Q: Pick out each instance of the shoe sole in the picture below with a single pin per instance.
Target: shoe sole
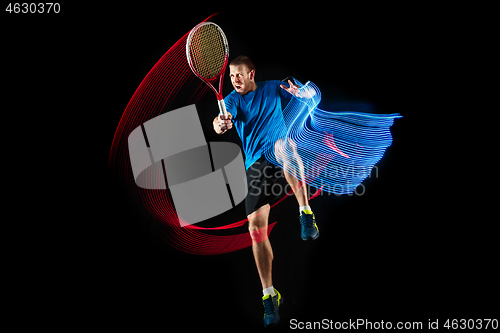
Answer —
(311, 238)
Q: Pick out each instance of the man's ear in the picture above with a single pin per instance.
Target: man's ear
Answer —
(252, 74)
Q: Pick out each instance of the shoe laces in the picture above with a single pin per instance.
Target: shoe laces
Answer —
(307, 220)
(268, 306)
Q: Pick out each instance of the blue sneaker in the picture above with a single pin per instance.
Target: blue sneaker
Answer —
(308, 228)
(272, 308)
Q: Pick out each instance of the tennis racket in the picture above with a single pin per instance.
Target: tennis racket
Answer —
(207, 53)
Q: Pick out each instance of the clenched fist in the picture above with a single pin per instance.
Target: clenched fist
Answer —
(223, 123)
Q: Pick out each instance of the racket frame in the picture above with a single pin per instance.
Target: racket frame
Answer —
(220, 75)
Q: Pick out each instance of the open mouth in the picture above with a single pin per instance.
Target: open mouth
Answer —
(238, 87)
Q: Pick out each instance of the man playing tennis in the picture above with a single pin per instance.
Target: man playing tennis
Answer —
(253, 108)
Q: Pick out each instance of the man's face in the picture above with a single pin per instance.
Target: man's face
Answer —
(241, 78)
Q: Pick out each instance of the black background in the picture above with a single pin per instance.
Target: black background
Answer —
(415, 246)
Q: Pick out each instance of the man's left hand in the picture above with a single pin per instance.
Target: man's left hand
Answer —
(293, 89)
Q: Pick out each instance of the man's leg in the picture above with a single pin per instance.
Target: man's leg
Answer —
(286, 153)
(263, 254)
(296, 180)
(261, 247)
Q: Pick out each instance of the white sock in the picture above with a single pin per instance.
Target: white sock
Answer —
(269, 291)
(301, 208)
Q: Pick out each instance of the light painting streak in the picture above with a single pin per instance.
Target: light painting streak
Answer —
(334, 147)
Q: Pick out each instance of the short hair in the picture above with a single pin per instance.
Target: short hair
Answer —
(243, 60)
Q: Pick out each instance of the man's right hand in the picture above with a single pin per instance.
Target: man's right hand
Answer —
(223, 123)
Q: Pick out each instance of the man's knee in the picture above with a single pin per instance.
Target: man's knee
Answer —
(257, 228)
(255, 224)
(280, 150)
(284, 147)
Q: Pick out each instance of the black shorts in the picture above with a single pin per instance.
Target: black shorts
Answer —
(266, 184)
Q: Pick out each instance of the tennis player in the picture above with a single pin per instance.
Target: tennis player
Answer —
(254, 108)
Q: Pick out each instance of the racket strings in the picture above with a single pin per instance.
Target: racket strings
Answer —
(207, 51)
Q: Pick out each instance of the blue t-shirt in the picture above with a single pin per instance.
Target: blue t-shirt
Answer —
(255, 115)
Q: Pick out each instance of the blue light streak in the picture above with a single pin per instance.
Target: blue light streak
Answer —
(334, 151)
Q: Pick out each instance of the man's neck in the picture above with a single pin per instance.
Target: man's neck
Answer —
(254, 86)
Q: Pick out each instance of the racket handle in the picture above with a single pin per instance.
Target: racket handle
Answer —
(222, 107)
